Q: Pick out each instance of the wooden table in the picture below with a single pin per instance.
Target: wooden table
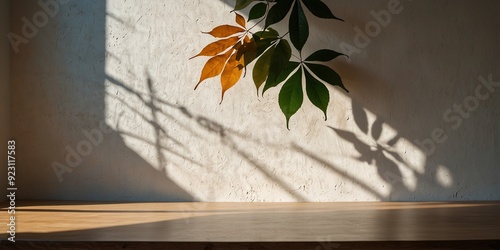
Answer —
(245, 225)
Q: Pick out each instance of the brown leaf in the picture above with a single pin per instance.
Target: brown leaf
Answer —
(237, 45)
(247, 51)
(214, 66)
(231, 74)
(240, 20)
(217, 47)
(225, 31)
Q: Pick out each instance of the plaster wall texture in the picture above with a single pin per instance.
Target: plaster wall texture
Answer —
(104, 107)
(4, 89)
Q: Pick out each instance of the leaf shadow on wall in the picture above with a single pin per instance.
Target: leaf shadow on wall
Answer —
(408, 82)
(170, 149)
(379, 153)
(393, 67)
(387, 169)
(429, 77)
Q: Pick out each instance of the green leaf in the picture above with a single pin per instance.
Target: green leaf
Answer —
(278, 12)
(319, 9)
(326, 74)
(261, 68)
(317, 92)
(290, 67)
(269, 33)
(279, 60)
(291, 96)
(257, 11)
(263, 44)
(324, 55)
(264, 41)
(241, 4)
(298, 26)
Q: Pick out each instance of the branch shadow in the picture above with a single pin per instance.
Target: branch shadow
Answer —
(228, 137)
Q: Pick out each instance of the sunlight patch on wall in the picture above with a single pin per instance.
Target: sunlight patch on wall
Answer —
(444, 176)
(240, 150)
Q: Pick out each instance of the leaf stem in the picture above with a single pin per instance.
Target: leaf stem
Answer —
(281, 37)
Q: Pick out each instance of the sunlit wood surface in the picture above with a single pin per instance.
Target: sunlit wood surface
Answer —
(254, 222)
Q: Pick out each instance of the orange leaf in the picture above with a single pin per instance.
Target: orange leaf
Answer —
(231, 74)
(217, 47)
(247, 52)
(225, 31)
(214, 66)
(240, 20)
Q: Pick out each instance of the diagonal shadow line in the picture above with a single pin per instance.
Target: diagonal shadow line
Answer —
(140, 95)
(258, 166)
(183, 111)
(125, 87)
(158, 129)
(227, 139)
(121, 21)
(335, 170)
(169, 150)
(152, 122)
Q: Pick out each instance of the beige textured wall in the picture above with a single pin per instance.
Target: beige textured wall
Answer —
(4, 90)
(105, 109)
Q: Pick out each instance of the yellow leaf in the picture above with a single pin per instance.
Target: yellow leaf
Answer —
(231, 74)
(214, 66)
(225, 31)
(217, 47)
(240, 20)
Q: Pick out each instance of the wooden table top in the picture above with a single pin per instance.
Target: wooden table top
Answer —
(254, 222)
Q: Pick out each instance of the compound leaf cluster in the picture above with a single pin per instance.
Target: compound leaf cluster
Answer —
(237, 46)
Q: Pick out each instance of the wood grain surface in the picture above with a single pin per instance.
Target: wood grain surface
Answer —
(318, 223)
